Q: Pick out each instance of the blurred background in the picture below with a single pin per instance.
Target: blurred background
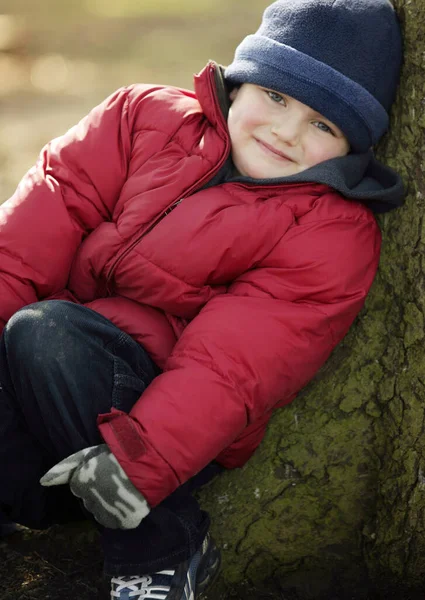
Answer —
(58, 58)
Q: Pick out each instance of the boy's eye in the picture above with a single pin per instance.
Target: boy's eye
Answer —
(276, 97)
(323, 127)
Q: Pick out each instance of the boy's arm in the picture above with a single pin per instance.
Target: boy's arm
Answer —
(246, 352)
(72, 188)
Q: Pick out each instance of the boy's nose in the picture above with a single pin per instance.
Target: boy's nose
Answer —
(288, 131)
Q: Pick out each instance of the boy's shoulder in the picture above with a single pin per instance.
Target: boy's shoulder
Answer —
(314, 202)
(331, 205)
(204, 100)
(153, 107)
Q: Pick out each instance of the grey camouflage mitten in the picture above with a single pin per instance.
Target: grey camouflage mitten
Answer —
(95, 476)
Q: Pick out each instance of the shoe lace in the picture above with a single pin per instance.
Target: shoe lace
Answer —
(140, 588)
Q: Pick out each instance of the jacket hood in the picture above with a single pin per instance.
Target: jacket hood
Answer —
(357, 176)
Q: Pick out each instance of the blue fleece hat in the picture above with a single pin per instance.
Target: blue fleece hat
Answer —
(341, 57)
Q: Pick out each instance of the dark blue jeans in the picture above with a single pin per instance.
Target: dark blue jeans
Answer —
(61, 365)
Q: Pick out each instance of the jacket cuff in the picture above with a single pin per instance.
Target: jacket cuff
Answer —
(146, 469)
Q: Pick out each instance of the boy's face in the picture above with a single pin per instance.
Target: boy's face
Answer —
(274, 135)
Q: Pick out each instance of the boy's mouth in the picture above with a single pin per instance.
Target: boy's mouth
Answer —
(271, 150)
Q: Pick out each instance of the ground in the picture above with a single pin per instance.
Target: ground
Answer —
(65, 562)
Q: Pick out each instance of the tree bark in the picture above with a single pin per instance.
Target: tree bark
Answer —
(333, 503)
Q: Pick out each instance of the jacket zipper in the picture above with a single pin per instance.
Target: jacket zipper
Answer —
(169, 208)
(128, 249)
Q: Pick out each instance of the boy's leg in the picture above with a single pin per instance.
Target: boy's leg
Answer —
(23, 455)
(61, 365)
(170, 554)
(169, 535)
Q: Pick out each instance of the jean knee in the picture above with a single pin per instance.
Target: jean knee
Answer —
(38, 331)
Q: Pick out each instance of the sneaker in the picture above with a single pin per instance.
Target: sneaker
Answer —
(190, 579)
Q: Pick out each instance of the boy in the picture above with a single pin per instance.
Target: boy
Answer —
(190, 259)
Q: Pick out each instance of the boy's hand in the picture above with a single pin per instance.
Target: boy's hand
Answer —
(95, 476)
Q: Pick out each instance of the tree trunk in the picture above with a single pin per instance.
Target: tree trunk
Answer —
(333, 503)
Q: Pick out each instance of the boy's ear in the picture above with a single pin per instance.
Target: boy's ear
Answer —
(233, 94)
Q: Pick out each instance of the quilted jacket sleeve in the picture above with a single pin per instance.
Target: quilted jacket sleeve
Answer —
(245, 353)
(71, 189)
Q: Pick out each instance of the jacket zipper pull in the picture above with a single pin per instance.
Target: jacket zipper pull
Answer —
(170, 208)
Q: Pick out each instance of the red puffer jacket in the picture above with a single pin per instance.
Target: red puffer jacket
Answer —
(240, 293)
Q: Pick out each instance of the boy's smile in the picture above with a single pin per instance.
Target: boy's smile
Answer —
(274, 135)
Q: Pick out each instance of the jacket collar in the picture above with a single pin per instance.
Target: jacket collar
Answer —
(212, 93)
